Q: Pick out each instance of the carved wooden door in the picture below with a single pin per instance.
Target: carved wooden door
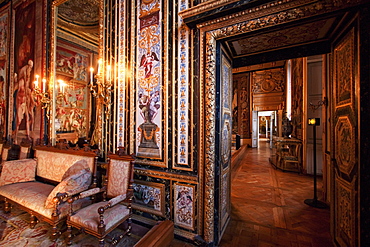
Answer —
(345, 166)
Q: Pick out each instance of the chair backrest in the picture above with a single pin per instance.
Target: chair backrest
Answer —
(5, 152)
(53, 162)
(297, 152)
(119, 176)
(25, 149)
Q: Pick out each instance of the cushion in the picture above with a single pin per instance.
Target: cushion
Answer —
(75, 168)
(73, 184)
(88, 217)
(17, 171)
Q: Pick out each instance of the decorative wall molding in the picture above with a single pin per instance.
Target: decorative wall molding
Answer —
(210, 110)
(166, 175)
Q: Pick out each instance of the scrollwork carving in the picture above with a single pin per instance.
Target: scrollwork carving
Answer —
(210, 94)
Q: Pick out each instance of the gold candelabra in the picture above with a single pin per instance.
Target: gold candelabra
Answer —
(42, 96)
(103, 88)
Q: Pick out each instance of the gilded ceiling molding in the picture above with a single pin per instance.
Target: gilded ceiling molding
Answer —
(279, 11)
(210, 133)
(205, 6)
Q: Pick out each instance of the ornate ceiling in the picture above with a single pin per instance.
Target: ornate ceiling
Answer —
(310, 32)
(79, 18)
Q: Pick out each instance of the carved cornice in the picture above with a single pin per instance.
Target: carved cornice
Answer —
(166, 175)
(275, 12)
(205, 6)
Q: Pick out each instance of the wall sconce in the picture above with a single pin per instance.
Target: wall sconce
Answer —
(314, 107)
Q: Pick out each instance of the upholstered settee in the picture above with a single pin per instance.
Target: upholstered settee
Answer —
(34, 185)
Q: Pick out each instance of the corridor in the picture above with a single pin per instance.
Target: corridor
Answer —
(268, 205)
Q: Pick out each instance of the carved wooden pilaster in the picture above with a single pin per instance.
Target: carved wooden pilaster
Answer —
(210, 102)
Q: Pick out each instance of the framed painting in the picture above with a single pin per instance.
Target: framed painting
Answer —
(73, 96)
(184, 205)
(25, 118)
(4, 64)
(149, 197)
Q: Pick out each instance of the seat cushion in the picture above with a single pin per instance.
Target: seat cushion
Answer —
(89, 217)
(32, 195)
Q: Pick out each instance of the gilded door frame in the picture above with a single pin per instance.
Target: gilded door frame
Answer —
(210, 32)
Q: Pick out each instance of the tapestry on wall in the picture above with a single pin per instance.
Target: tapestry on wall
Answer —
(73, 101)
(148, 79)
(25, 115)
(4, 63)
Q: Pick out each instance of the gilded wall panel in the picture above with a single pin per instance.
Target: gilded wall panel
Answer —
(344, 63)
(297, 97)
(149, 95)
(241, 105)
(345, 145)
(122, 73)
(345, 212)
(183, 100)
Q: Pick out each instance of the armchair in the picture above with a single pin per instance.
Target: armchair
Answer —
(100, 218)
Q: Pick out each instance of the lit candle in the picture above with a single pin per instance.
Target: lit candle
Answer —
(108, 72)
(37, 81)
(60, 82)
(44, 84)
(91, 74)
(100, 61)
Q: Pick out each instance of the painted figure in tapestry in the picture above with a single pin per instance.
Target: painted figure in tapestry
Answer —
(2, 104)
(24, 104)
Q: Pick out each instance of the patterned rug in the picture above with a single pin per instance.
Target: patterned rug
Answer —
(15, 231)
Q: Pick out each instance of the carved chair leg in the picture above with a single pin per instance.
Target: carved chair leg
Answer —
(129, 227)
(101, 242)
(7, 206)
(55, 233)
(69, 236)
(33, 221)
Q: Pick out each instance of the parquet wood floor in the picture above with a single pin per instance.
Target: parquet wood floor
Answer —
(268, 206)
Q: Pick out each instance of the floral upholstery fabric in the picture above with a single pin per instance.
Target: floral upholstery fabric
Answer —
(89, 192)
(17, 171)
(73, 184)
(118, 177)
(60, 163)
(33, 195)
(88, 217)
(117, 199)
